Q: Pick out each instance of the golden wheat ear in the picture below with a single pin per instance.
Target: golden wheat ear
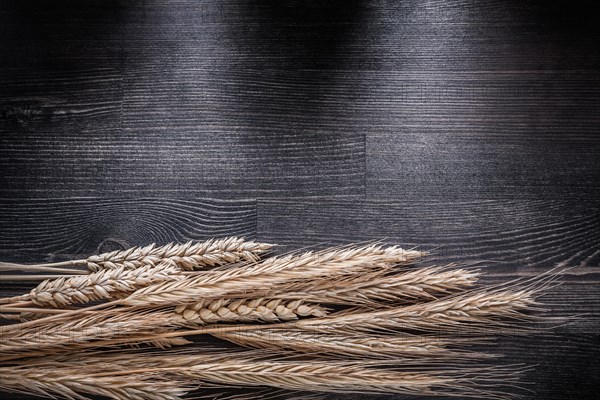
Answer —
(357, 377)
(91, 330)
(74, 383)
(187, 256)
(382, 287)
(248, 310)
(504, 309)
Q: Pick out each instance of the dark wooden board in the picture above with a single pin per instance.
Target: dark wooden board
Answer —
(468, 128)
(51, 230)
(518, 235)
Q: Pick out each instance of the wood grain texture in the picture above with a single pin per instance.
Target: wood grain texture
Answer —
(50, 230)
(519, 235)
(486, 135)
(465, 127)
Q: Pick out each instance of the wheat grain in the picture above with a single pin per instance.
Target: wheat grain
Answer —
(73, 383)
(247, 310)
(187, 256)
(101, 285)
(271, 272)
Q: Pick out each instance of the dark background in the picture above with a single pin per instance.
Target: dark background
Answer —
(467, 127)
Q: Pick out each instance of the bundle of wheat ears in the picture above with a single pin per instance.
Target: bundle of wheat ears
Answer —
(197, 319)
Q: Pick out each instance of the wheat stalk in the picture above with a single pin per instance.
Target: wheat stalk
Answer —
(57, 267)
(247, 310)
(271, 272)
(101, 285)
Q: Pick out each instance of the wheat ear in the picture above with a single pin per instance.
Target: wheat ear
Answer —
(347, 377)
(270, 272)
(94, 327)
(381, 288)
(73, 383)
(57, 267)
(248, 310)
(101, 285)
(484, 311)
(187, 256)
